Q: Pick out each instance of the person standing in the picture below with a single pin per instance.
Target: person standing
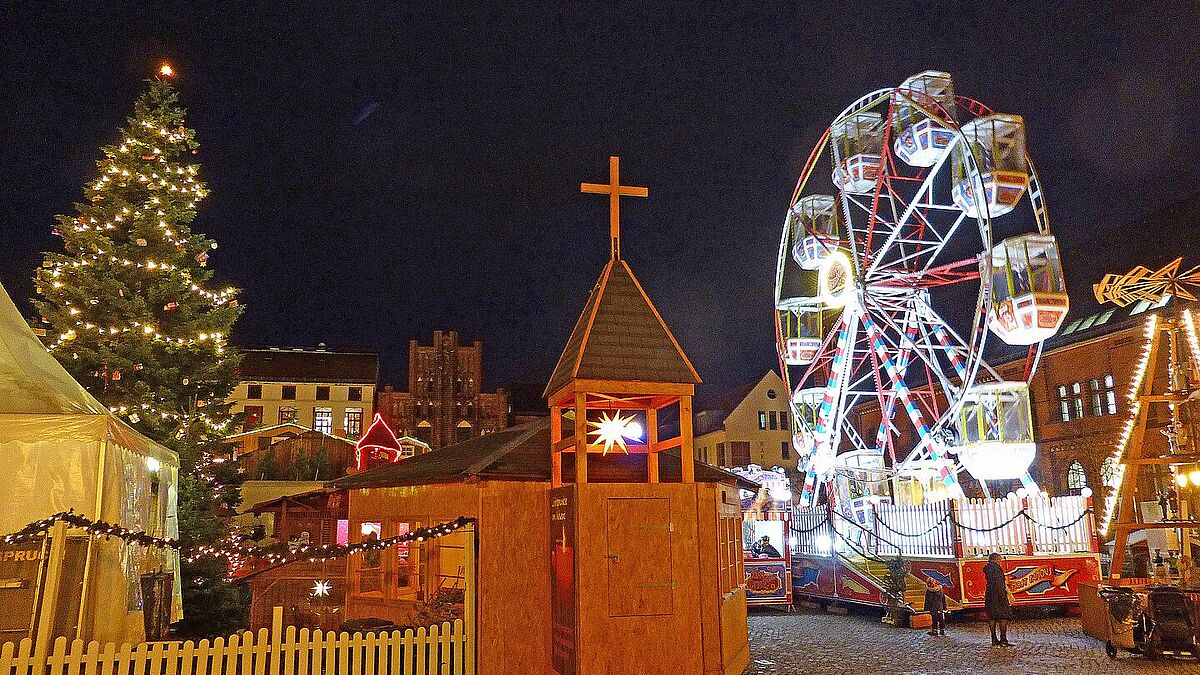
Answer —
(995, 599)
(935, 604)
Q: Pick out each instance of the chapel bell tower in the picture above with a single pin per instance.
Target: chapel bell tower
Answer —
(641, 550)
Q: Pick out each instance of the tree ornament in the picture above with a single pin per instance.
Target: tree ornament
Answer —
(140, 241)
(135, 418)
(171, 306)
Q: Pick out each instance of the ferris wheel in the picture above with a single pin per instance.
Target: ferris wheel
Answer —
(917, 227)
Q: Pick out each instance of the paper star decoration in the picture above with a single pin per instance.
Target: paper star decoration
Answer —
(615, 430)
(321, 589)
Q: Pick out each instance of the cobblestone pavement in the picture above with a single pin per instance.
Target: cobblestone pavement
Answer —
(811, 641)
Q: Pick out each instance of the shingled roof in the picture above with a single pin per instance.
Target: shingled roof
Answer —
(620, 336)
(520, 453)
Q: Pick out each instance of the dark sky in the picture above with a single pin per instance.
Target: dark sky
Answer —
(455, 202)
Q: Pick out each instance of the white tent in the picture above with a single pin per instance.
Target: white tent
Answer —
(61, 449)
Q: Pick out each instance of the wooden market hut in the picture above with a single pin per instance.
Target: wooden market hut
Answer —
(503, 480)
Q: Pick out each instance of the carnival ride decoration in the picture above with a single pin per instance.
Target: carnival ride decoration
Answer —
(767, 513)
(919, 178)
(1171, 339)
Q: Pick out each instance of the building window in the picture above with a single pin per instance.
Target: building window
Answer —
(721, 454)
(1076, 476)
(785, 420)
(323, 420)
(762, 420)
(463, 432)
(288, 414)
(741, 453)
(774, 420)
(354, 419)
(1108, 472)
(355, 394)
(424, 432)
(1077, 398)
(1110, 395)
(289, 392)
(1097, 401)
(1064, 404)
(771, 394)
(254, 391)
(322, 393)
(254, 415)
(785, 449)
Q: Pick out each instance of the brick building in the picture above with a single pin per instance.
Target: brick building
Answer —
(444, 404)
(331, 391)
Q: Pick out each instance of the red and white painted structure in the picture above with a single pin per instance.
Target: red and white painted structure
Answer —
(1050, 546)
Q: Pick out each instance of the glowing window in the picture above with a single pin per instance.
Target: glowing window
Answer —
(1064, 404)
(1076, 476)
(1108, 472)
(1110, 395)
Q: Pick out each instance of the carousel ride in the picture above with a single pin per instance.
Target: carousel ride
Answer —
(917, 203)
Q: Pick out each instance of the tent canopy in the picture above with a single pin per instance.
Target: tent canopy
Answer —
(39, 400)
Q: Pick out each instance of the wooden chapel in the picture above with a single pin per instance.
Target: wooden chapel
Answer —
(647, 572)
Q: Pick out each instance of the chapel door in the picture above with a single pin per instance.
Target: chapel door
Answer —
(640, 581)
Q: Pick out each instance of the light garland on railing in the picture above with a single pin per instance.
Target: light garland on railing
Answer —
(1118, 453)
(235, 548)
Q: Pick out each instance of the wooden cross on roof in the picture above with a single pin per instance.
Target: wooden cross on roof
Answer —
(615, 191)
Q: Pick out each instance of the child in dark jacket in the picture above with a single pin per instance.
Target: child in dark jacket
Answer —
(935, 604)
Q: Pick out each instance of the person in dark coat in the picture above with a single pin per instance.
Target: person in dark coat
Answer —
(995, 599)
(935, 604)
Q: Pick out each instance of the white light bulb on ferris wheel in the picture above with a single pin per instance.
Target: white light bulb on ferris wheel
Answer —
(914, 221)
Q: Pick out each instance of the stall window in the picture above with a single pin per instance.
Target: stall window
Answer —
(404, 576)
(370, 563)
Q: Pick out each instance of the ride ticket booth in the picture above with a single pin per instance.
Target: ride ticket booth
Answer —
(766, 528)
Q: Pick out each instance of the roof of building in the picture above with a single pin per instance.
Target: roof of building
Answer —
(295, 427)
(620, 336)
(519, 453)
(309, 365)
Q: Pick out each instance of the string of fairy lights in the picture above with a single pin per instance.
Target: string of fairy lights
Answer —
(1118, 454)
(236, 550)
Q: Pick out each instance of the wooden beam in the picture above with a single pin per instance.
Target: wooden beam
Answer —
(580, 437)
(555, 449)
(1132, 461)
(1164, 525)
(668, 444)
(687, 461)
(651, 442)
(633, 387)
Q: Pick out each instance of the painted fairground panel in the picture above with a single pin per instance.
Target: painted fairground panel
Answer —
(767, 583)
(766, 526)
(814, 575)
(1034, 580)
(945, 572)
(856, 587)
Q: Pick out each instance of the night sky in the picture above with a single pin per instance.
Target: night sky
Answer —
(380, 172)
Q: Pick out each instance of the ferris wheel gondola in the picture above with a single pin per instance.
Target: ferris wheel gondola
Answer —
(919, 177)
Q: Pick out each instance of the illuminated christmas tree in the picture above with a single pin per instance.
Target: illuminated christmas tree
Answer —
(132, 316)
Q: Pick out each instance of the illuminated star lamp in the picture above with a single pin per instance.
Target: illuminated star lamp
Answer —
(320, 589)
(615, 430)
